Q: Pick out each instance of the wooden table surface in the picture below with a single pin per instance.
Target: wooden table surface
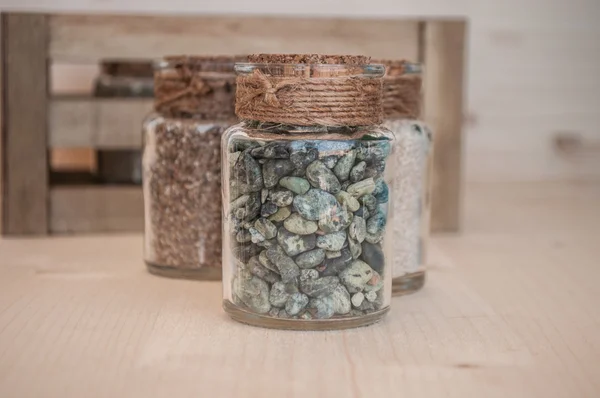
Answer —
(511, 309)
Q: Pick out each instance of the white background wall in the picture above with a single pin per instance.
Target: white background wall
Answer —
(533, 72)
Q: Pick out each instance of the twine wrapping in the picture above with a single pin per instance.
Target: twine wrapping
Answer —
(401, 91)
(326, 101)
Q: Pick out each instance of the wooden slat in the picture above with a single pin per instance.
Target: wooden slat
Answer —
(443, 55)
(82, 209)
(93, 37)
(97, 123)
(24, 129)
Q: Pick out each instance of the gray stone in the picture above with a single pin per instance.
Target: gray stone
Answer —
(330, 161)
(266, 228)
(357, 299)
(358, 172)
(372, 254)
(340, 300)
(239, 202)
(334, 266)
(252, 206)
(335, 219)
(298, 225)
(334, 254)
(356, 276)
(255, 236)
(294, 244)
(370, 202)
(308, 274)
(355, 248)
(244, 251)
(348, 201)
(295, 184)
(321, 177)
(344, 165)
(358, 229)
(333, 241)
(374, 151)
(256, 268)
(282, 214)
(240, 213)
(247, 174)
(361, 188)
(282, 198)
(252, 291)
(323, 309)
(288, 269)
(271, 151)
(264, 260)
(304, 157)
(376, 223)
(264, 193)
(374, 284)
(274, 170)
(233, 157)
(374, 238)
(296, 303)
(314, 204)
(319, 287)
(362, 212)
(243, 236)
(267, 243)
(371, 296)
(268, 209)
(311, 258)
(381, 192)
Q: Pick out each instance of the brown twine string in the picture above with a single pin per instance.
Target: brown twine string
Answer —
(401, 91)
(327, 101)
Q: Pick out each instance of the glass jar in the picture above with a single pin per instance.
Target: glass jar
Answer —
(305, 205)
(194, 103)
(411, 186)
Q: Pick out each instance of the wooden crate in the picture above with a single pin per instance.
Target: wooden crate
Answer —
(34, 121)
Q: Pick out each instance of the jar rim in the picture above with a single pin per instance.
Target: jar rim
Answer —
(282, 69)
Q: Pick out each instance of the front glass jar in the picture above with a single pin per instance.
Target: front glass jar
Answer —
(305, 210)
(194, 104)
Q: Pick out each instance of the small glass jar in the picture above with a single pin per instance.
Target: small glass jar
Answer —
(194, 103)
(305, 206)
(412, 160)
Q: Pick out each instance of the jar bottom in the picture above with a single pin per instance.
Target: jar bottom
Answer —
(407, 284)
(249, 318)
(203, 273)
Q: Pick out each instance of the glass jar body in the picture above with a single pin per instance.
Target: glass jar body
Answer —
(182, 197)
(305, 211)
(411, 203)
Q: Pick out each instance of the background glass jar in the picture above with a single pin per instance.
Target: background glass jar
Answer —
(305, 213)
(411, 186)
(194, 103)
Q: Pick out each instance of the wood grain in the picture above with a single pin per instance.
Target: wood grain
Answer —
(24, 108)
(509, 310)
(443, 55)
(85, 209)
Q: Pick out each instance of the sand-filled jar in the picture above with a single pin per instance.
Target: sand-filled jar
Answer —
(305, 194)
(194, 104)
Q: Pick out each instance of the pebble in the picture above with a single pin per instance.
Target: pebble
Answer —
(321, 177)
(247, 174)
(357, 299)
(374, 151)
(362, 188)
(314, 204)
(252, 291)
(294, 244)
(374, 238)
(264, 260)
(311, 258)
(308, 274)
(356, 276)
(264, 193)
(358, 229)
(304, 157)
(268, 209)
(296, 303)
(239, 202)
(255, 236)
(295, 184)
(362, 212)
(371, 296)
(358, 172)
(370, 202)
(344, 165)
(271, 151)
(381, 192)
(340, 300)
(355, 248)
(347, 200)
(243, 252)
(336, 218)
(282, 198)
(243, 236)
(373, 255)
(375, 283)
(323, 308)
(252, 206)
(256, 268)
(376, 223)
(282, 214)
(334, 266)
(319, 287)
(332, 242)
(333, 254)
(330, 161)
(288, 269)
(266, 228)
(273, 170)
(298, 225)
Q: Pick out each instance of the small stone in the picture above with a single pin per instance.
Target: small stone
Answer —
(308, 274)
(274, 312)
(240, 213)
(335, 219)
(372, 172)
(362, 188)
(252, 207)
(266, 228)
(288, 269)
(294, 244)
(319, 287)
(264, 260)
(244, 252)
(311, 258)
(358, 172)
(298, 225)
(374, 151)
(252, 291)
(274, 170)
(298, 185)
(335, 254)
(362, 212)
(255, 236)
(370, 202)
(374, 284)
(330, 161)
(267, 243)
(282, 214)
(314, 204)
(358, 229)
(371, 296)
(271, 151)
(268, 209)
(344, 165)
(247, 174)
(306, 316)
(321, 177)
(355, 248)
(376, 223)
(334, 266)
(233, 157)
(356, 276)
(256, 268)
(296, 303)
(282, 198)
(357, 299)
(264, 193)
(348, 201)
(243, 236)
(381, 192)
(372, 254)
(323, 309)
(239, 202)
(345, 185)
(283, 314)
(341, 300)
(374, 238)
(304, 157)
(332, 242)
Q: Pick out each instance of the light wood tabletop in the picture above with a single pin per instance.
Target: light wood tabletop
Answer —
(511, 308)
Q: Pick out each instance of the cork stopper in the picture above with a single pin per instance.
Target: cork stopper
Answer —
(402, 98)
(310, 59)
